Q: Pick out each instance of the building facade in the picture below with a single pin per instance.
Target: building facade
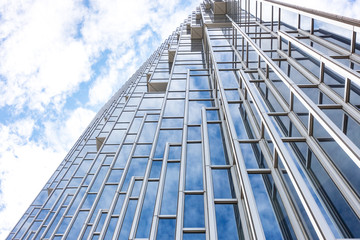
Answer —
(244, 124)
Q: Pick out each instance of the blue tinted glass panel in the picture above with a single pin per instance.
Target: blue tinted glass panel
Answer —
(78, 223)
(266, 212)
(111, 228)
(195, 110)
(174, 108)
(126, 225)
(123, 156)
(155, 169)
(146, 216)
(194, 167)
(194, 211)
(222, 183)
(228, 222)
(136, 169)
(166, 229)
(194, 236)
(148, 132)
(217, 154)
(199, 83)
(171, 136)
(170, 195)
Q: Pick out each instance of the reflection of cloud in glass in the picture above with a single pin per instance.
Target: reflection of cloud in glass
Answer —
(195, 110)
(136, 169)
(194, 165)
(105, 200)
(221, 182)
(111, 228)
(170, 195)
(123, 156)
(78, 224)
(217, 154)
(194, 211)
(126, 225)
(199, 83)
(265, 209)
(146, 216)
(171, 136)
(227, 222)
(166, 229)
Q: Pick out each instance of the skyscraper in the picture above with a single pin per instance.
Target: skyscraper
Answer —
(244, 124)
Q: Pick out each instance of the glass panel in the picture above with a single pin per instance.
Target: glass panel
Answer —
(78, 223)
(217, 154)
(194, 133)
(166, 229)
(171, 136)
(123, 156)
(126, 225)
(136, 169)
(148, 132)
(146, 216)
(111, 228)
(155, 169)
(194, 167)
(228, 222)
(115, 137)
(174, 108)
(223, 186)
(194, 236)
(266, 212)
(194, 211)
(195, 110)
(199, 83)
(170, 194)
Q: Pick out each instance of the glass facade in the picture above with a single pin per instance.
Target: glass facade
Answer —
(244, 124)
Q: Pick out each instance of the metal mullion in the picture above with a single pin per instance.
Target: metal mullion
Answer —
(159, 195)
(345, 143)
(309, 203)
(209, 193)
(124, 208)
(181, 195)
(342, 70)
(328, 91)
(252, 215)
(96, 221)
(332, 171)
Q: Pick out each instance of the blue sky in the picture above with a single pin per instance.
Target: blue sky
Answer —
(61, 60)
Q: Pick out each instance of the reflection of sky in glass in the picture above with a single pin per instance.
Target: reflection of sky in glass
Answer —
(212, 115)
(194, 211)
(78, 223)
(195, 110)
(151, 103)
(221, 182)
(174, 153)
(142, 150)
(146, 216)
(252, 155)
(148, 132)
(194, 236)
(171, 136)
(194, 133)
(200, 95)
(105, 200)
(227, 222)
(123, 156)
(115, 137)
(199, 83)
(136, 169)
(170, 195)
(119, 203)
(229, 79)
(172, 123)
(99, 179)
(238, 121)
(267, 216)
(111, 228)
(126, 225)
(174, 108)
(194, 165)
(155, 169)
(217, 154)
(166, 229)
(101, 222)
